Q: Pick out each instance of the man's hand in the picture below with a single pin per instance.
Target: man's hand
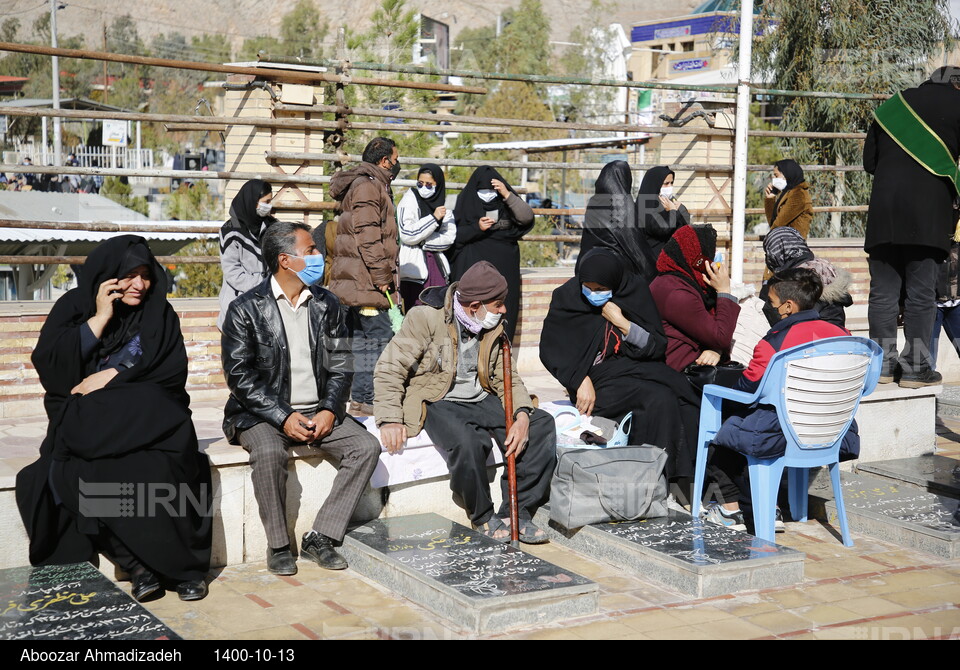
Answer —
(586, 397)
(95, 382)
(300, 429)
(393, 436)
(325, 420)
(518, 435)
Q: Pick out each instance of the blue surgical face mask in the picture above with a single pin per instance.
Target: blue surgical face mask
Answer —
(596, 298)
(313, 272)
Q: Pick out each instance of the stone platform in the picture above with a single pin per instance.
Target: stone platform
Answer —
(896, 513)
(687, 555)
(930, 472)
(478, 584)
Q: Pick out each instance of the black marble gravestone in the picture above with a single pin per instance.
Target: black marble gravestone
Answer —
(71, 602)
(685, 554)
(464, 576)
(934, 473)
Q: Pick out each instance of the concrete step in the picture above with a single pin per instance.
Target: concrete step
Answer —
(687, 555)
(948, 402)
(891, 512)
(476, 583)
(932, 473)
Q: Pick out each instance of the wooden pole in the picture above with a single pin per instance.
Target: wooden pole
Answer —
(297, 76)
(508, 420)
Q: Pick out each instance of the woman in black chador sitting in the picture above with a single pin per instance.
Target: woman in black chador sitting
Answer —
(120, 471)
(604, 342)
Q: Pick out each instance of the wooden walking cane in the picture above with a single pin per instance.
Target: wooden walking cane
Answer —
(511, 459)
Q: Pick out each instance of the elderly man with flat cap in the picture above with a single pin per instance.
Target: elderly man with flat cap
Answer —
(443, 372)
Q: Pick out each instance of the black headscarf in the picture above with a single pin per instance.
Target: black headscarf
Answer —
(656, 222)
(245, 225)
(127, 321)
(793, 173)
(574, 325)
(470, 208)
(610, 220)
(429, 205)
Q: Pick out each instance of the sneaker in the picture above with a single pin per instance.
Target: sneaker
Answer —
(778, 525)
(732, 520)
(319, 549)
(920, 379)
(890, 372)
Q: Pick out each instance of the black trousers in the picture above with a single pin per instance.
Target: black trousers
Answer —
(463, 431)
(912, 271)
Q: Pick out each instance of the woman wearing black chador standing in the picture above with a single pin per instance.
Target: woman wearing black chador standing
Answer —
(491, 218)
(120, 471)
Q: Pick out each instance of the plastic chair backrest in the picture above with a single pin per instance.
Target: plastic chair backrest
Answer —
(816, 389)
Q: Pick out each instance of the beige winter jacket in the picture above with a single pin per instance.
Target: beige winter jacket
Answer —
(419, 365)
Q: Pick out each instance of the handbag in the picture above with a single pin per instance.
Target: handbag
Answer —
(614, 484)
(725, 374)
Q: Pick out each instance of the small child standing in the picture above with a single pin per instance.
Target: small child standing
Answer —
(755, 430)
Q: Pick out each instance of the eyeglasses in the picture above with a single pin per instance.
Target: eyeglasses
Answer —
(421, 184)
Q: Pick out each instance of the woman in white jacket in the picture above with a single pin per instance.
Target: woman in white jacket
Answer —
(427, 229)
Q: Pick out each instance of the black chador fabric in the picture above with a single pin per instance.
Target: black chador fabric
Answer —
(611, 221)
(498, 245)
(245, 226)
(627, 379)
(656, 223)
(135, 435)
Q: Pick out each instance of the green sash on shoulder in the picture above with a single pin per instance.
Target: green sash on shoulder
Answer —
(917, 138)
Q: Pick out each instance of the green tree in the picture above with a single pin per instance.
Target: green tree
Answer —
(391, 38)
(853, 46)
(196, 203)
(302, 31)
(121, 193)
(586, 58)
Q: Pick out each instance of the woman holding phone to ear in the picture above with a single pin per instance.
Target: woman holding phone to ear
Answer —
(786, 198)
(491, 218)
(693, 297)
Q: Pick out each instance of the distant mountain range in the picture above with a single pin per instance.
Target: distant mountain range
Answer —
(241, 19)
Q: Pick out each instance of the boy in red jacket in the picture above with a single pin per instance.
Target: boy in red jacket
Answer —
(755, 431)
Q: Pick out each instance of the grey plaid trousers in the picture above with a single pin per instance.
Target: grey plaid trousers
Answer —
(349, 443)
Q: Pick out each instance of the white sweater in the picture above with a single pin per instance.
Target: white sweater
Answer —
(419, 234)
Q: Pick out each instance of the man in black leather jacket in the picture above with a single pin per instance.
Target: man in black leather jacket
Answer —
(286, 358)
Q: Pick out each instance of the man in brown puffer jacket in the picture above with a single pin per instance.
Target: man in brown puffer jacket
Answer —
(365, 259)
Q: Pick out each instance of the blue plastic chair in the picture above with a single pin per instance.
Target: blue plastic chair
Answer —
(816, 389)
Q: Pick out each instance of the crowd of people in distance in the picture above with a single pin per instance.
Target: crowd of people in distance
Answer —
(309, 324)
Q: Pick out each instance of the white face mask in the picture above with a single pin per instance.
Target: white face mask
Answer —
(490, 320)
(487, 195)
(426, 191)
(666, 191)
(264, 208)
(778, 183)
